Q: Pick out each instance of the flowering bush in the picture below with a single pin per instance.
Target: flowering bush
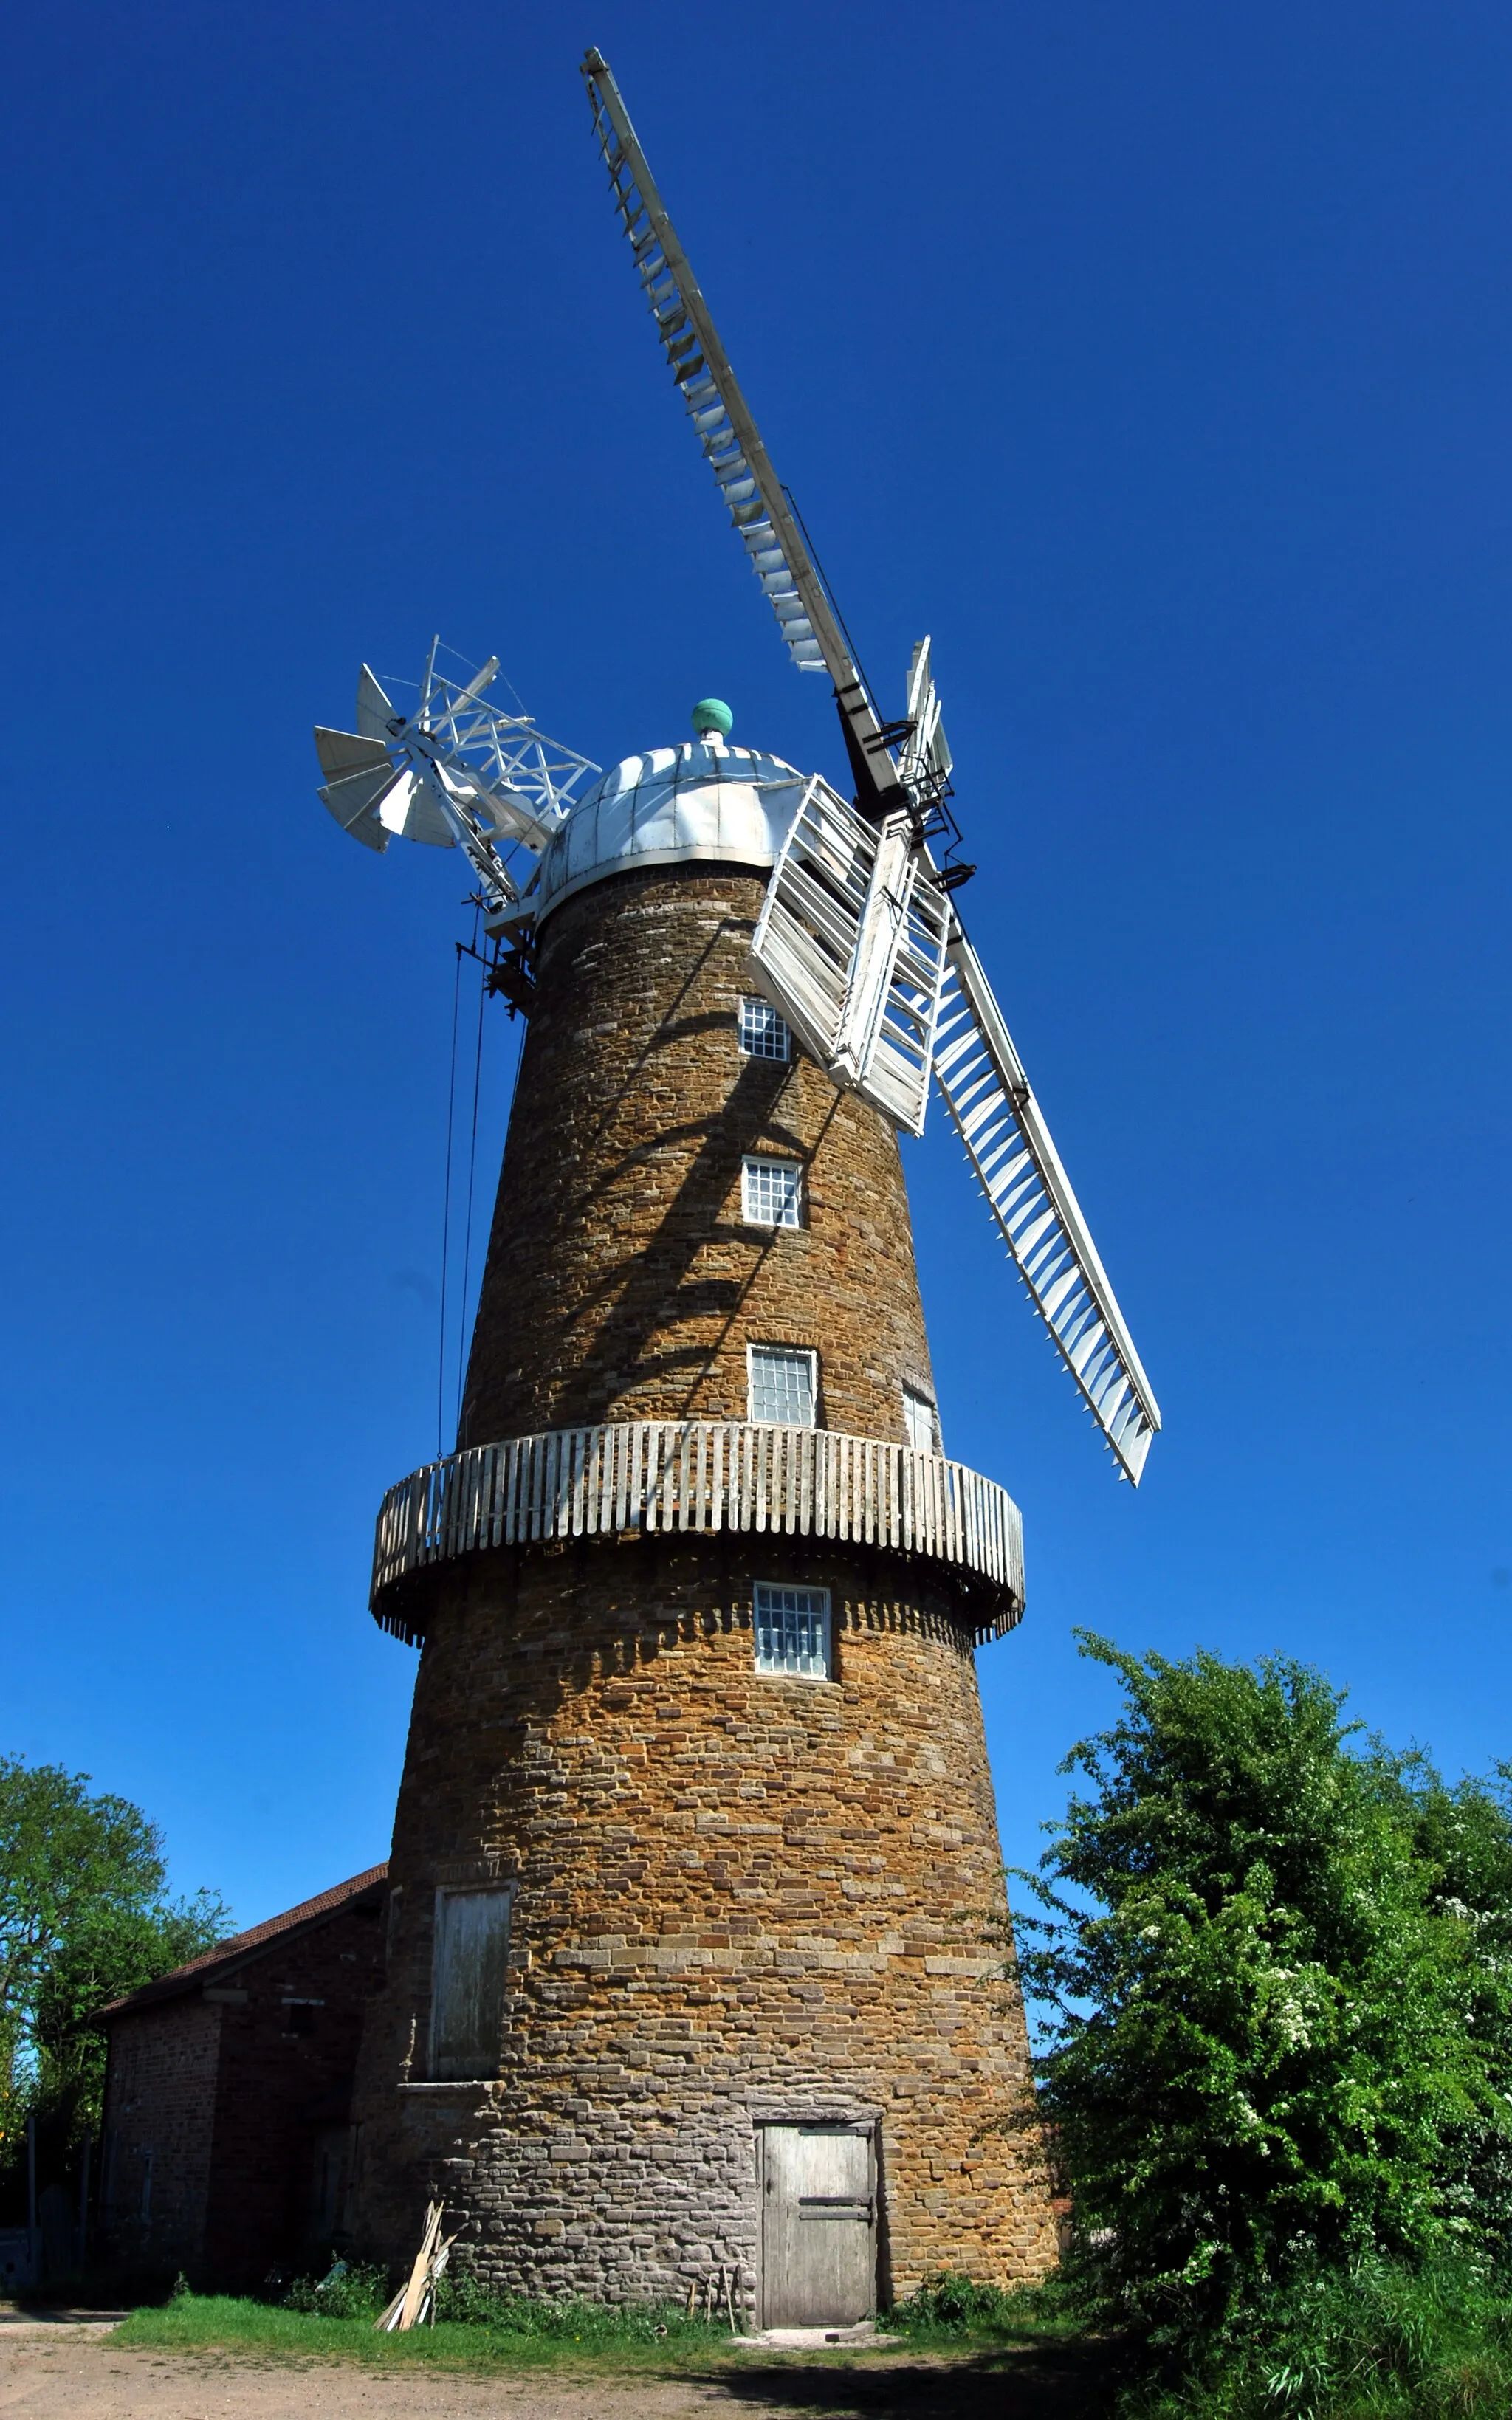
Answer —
(1276, 2015)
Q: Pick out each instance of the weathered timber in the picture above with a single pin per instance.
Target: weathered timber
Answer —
(703, 1476)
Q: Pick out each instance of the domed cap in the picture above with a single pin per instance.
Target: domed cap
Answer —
(672, 806)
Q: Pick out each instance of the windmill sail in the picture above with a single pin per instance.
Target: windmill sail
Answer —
(455, 774)
(924, 759)
(756, 499)
(377, 716)
(998, 1118)
(360, 775)
(851, 946)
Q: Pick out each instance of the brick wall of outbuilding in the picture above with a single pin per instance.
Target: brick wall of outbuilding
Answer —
(219, 2097)
(280, 2090)
(159, 2127)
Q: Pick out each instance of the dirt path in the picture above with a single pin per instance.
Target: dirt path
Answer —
(58, 2374)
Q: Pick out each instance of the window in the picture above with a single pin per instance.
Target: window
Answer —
(467, 2002)
(763, 1033)
(792, 1630)
(784, 1384)
(922, 1421)
(772, 1192)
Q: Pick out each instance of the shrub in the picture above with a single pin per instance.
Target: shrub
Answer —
(950, 2304)
(1262, 2061)
(348, 2290)
(1378, 2338)
(459, 2296)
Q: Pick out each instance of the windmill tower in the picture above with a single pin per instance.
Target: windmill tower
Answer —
(695, 1857)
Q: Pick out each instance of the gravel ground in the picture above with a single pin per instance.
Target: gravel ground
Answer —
(71, 2373)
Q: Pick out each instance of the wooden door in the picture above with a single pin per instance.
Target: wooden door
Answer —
(818, 2225)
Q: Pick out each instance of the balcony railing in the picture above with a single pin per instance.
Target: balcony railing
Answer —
(686, 1477)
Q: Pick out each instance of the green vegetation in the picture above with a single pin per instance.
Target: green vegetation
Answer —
(1278, 2050)
(1377, 2341)
(357, 2289)
(474, 2331)
(953, 2305)
(360, 2290)
(951, 2309)
(333, 2318)
(84, 1917)
(601, 2327)
(1274, 1960)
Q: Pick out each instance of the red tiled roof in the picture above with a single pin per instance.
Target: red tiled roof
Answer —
(244, 1945)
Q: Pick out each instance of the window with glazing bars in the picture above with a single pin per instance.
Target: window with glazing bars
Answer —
(922, 1421)
(784, 1383)
(772, 1192)
(792, 1630)
(763, 1033)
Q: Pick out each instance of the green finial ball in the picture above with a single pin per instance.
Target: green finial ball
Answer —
(712, 714)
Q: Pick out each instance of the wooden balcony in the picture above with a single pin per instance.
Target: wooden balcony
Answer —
(695, 1477)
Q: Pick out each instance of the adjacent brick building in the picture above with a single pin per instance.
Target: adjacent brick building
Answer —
(227, 2095)
(696, 1897)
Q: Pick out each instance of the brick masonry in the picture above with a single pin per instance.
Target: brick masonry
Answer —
(159, 2126)
(222, 2099)
(284, 2094)
(738, 1897)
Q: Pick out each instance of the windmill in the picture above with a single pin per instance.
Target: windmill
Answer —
(697, 1826)
(455, 774)
(860, 945)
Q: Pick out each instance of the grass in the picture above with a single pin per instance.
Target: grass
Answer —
(203, 2322)
(951, 2311)
(488, 2332)
(1377, 2342)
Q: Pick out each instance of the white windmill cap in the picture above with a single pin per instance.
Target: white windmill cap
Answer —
(672, 806)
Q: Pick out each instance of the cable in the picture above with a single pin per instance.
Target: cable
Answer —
(472, 1166)
(445, 1213)
(514, 1081)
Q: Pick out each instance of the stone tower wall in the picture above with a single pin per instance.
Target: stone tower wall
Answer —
(622, 1282)
(739, 1896)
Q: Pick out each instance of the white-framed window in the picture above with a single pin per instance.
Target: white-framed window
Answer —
(467, 1983)
(922, 1421)
(764, 1034)
(792, 1630)
(783, 1384)
(771, 1193)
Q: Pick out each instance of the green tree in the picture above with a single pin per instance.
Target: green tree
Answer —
(1262, 2053)
(84, 1916)
(1465, 1833)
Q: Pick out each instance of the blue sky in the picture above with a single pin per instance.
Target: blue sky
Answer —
(1158, 360)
